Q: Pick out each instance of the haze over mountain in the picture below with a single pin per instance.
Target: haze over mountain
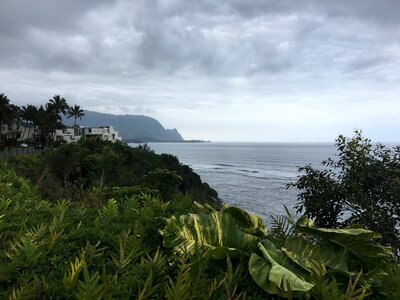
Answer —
(132, 128)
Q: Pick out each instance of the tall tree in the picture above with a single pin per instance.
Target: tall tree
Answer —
(47, 123)
(29, 114)
(75, 112)
(4, 111)
(14, 120)
(58, 105)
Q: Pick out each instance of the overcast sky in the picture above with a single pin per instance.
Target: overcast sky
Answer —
(227, 70)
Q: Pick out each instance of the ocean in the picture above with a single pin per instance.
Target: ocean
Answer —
(252, 176)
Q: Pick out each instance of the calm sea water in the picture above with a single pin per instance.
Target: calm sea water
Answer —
(252, 176)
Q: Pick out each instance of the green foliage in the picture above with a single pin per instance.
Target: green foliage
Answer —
(129, 249)
(90, 287)
(317, 261)
(180, 288)
(273, 277)
(96, 170)
(105, 242)
(27, 246)
(361, 186)
(166, 182)
(26, 291)
(215, 233)
(355, 241)
(109, 211)
(249, 223)
(71, 278)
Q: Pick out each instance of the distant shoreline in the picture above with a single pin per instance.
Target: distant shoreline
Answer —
(178, 142)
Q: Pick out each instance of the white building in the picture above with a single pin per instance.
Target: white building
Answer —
(16, 131)
(105, 133)
(69, 134)
(73, 134)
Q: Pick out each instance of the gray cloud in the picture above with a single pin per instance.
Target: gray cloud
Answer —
(217, 57)
(232, 37)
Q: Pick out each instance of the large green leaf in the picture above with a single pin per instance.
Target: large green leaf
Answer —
(355, 240)
(259, 269)
(248, 222)
(314, 258)
(272, 276)
(216, 233)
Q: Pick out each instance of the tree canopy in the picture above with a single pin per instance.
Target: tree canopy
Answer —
(43, 120)
(361, 186)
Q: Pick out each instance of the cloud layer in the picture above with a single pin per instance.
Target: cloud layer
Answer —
(222, 70)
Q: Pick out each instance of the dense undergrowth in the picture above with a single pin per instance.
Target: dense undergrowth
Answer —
(89, 169)
(151, 240)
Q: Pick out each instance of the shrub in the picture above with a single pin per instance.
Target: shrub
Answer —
(362, 186)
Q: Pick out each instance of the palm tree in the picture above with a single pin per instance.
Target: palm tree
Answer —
(14, 121)
(47, 122)
(58, 105)
(4, 111)
(75, 112)
(29, 114)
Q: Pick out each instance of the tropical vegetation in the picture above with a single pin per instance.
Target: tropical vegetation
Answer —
(361, 186)
(40, 122)
(76, 112)
(96, 220)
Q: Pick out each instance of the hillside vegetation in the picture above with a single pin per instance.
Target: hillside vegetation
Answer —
(94, 220)
(92, 170)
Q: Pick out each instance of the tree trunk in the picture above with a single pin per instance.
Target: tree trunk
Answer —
(102, 178)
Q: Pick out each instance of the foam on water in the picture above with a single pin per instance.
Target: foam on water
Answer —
(250, 175)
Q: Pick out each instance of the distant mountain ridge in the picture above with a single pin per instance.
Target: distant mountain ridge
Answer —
(132, 128)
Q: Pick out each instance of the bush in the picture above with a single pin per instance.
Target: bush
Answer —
(362, 186)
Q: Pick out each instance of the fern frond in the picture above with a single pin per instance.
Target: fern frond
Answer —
(56, 227)
(128, 250)
(71, 278)
(62, 205)
(37, 233)
(281, 227)
(356, 294)
(148, 288)
(91, 251)
(201, 284)
(28, 244)
(231, 281)
(181, 287)
(110, 210)
(26, 291)
(90, 288)
(4, 204)
(43, 204)
(145, 197)
(155, 263)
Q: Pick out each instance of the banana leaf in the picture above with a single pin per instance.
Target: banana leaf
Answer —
(273, 277)
(314, 258)
(358, 242)
(248, 222)
(215, 234)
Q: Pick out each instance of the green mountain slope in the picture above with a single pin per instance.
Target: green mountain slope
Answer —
(132, 128)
